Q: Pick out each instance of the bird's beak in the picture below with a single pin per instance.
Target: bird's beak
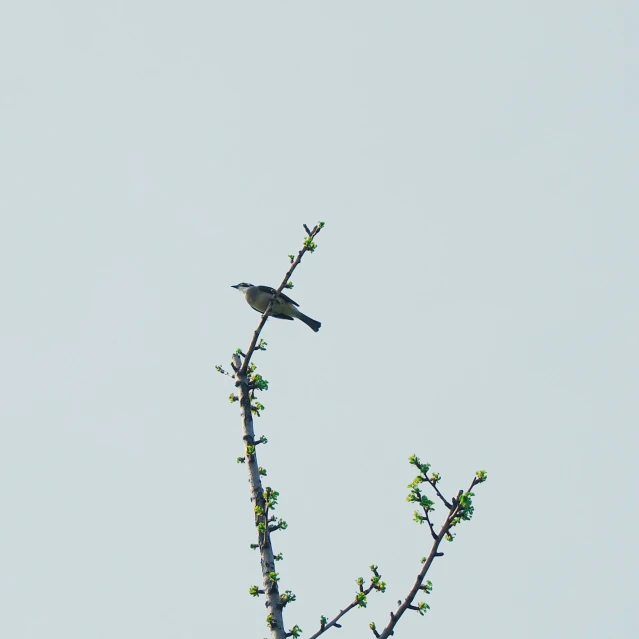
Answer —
(234, 286)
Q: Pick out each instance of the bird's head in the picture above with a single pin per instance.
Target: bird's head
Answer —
(242, 286)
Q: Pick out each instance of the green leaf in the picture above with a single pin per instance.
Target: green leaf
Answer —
(259, 382)
(378, 584)
(257, 408)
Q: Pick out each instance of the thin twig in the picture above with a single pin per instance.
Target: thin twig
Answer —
(219, 369)
(333, 622)
(430, 524)
(434, 485)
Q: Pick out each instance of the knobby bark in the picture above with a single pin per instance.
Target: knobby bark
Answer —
(267, 558)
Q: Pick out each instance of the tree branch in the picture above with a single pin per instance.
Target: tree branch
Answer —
(333, 622)
(359, 601)
(434, 485)
(455, 511)
(274, 603)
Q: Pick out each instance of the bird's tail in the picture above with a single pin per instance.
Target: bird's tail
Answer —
(314, 324)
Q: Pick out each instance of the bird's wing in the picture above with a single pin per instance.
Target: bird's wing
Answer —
(286, 298)
(276, 315)
(280, 316)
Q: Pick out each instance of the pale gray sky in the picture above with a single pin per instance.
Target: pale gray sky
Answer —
(476, 165)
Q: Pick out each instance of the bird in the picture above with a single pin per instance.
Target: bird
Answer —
(284, 307)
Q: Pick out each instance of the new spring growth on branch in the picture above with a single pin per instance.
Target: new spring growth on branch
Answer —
(360, 601)
(273, 302)
(459, 509)
(269, 302)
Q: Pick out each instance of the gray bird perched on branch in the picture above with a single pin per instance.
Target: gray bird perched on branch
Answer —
(284, 307)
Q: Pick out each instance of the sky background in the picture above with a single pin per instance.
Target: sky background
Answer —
(476, 167)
